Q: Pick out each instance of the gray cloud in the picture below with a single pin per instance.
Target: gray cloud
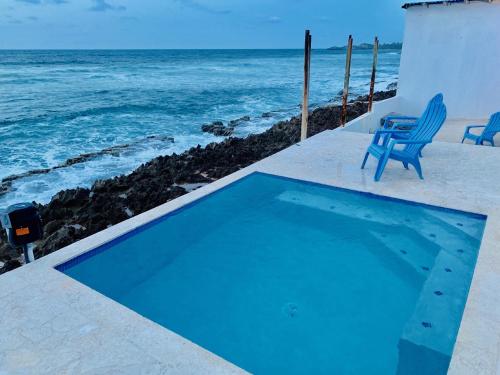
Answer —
(103, 6)
(39, 2)
(129, 18)
(274, 19)
(202, 7)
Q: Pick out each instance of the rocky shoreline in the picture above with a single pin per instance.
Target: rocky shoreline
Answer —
(78, 213)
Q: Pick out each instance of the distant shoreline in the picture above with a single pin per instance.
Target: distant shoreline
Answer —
(368, 46)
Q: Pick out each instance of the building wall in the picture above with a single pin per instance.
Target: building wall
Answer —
(453, 49)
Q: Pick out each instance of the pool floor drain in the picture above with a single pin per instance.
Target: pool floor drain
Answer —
(290, 310)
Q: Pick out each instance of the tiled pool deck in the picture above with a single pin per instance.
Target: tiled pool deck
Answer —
(51, 324)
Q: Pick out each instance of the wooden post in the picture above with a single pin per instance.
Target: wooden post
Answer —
(374, 73)
(345, 95)
(307, 75)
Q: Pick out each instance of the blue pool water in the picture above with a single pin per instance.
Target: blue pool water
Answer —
(282, 276)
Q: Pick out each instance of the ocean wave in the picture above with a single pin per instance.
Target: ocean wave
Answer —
(62, 117)
(41, 185)
(34, 63)
(177, 102)
(25, 81)
(6, 182)
(83, 102)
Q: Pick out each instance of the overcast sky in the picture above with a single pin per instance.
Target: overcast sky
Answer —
(195, 23)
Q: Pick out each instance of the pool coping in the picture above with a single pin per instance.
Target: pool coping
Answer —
(477, 346)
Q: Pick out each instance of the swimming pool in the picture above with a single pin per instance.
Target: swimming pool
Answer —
(279, 275)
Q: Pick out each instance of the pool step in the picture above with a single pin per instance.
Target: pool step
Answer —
(408, 250)
(322, 203)
(425, 345)
(456, 224)
(428, 226)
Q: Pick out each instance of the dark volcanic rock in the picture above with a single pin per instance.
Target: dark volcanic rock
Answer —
(236, 122)
(382, 95)
(5, 186)
(392, 86)
(77, 213)
(70, 198)
(6, 250)
(218, 128)
(10, 265)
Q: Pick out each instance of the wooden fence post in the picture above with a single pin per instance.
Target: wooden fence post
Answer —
(374, 73)
(345, 94)
(307, 75)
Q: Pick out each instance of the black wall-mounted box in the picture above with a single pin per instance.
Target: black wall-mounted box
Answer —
(23, 224)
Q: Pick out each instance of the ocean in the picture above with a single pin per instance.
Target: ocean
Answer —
(57, 105)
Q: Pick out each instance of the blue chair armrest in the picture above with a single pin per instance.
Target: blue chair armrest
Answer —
(395, 142)
(411, 141)
(386, 135)
(474, 126)
(385, 132)
(391, 131)
(396, 117)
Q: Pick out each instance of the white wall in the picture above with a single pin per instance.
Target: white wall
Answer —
(370, 122)
(453, 49)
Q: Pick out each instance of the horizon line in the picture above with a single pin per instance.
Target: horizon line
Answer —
(174, 49)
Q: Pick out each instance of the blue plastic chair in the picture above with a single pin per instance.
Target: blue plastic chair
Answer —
(391, 121)
(492, 128)
(410, 127)
(425, 129)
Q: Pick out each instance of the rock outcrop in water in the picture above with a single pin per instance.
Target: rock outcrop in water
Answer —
(219, 129)
(77, 213)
